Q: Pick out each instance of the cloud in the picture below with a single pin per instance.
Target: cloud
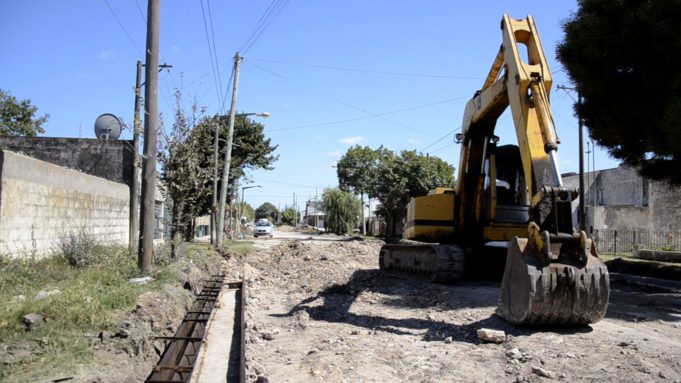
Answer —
(107, 54)
(334, 153)
(414, 141)
(175, 49)
(354, 140)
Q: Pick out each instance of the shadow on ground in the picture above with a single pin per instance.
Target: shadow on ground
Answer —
(409, 293)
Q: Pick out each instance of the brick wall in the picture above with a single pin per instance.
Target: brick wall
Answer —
(41, 202)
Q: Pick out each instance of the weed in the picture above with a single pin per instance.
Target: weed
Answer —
(78, 248)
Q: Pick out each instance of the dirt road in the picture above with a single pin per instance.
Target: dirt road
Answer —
(320, 311)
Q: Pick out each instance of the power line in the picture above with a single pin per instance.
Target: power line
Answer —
(215, 51)
(123, 28)
(441, 138)
(144, 18)
(369, 117)
(367, 70)
(442, 147)
(218, 88)
(271, 13)
(287, 183)
(337, 100)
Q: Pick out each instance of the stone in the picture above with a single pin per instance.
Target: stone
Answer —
(262, 379)
(104, 335)
(141, 280)
(122, 333)
(448, 340)
(267, 335)
(32, 321)
(493, 336)
(42, 294)
(514, 353)
(543, 372)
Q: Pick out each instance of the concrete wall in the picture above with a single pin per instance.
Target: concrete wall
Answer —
(111, 160)
(41, 202)
(621, 199)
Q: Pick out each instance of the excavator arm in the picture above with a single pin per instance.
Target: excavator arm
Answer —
(554, 274)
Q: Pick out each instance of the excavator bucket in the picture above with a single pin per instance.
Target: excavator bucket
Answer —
(565, 291)
(437, 263)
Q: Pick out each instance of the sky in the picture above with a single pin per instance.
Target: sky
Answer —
(331, 74)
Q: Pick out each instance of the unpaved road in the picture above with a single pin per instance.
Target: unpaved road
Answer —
(320, 311)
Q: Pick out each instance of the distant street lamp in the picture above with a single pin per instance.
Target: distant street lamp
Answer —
(243, 202)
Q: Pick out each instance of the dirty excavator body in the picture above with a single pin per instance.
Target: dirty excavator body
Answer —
(509, 196)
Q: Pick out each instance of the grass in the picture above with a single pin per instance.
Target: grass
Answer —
(239, 247)
(91, 298)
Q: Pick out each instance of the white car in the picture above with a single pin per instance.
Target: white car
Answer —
(263, 228)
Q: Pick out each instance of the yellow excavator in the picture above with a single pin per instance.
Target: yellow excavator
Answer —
(509, 196)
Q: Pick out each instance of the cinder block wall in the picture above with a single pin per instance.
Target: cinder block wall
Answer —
(41, 202)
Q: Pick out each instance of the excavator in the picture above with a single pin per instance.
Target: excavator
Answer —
(510, 197)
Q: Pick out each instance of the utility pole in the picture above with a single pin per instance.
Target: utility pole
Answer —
(581, 216)
(134, 189)
(228, 151)
(146, 243)
(214, 206)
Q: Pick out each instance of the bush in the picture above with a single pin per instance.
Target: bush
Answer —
(79, 248)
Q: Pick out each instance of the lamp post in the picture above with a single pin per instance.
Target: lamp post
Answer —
(243, 202)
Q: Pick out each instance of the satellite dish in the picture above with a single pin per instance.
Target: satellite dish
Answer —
(108, 127)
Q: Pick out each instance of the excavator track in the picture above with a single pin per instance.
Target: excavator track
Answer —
(437, 263)
(558, 293)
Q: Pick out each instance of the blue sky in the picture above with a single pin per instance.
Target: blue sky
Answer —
(422, 60)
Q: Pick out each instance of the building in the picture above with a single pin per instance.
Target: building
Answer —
(314, 214)
(626, 209)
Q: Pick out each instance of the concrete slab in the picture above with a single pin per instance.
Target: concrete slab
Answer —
(213, 361)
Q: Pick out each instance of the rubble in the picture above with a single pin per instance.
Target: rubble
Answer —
(32, 321)
(492, 336)
(543, 372)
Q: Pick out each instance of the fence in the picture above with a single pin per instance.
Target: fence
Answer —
(613, 241)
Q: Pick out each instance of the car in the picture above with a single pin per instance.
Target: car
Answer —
(263, 228)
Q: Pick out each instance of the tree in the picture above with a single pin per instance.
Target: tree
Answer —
(623, 58)
(404, 176)
(267, 210)
(290, 216)
(183, 174)
(18, 118)
(356, 170)
(187, 159)
(341, 210)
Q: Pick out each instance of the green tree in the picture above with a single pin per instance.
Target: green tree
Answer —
(18, 118)
(623, 57)
(404, 176)
(356, 170)
(251, 150)
(341, 210)
(187, 156)
(267, 210)
(290, 216)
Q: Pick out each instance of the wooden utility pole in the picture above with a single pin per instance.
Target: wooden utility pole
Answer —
(135, 187)
(146, 242)
(228, 152)
(214, 205)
